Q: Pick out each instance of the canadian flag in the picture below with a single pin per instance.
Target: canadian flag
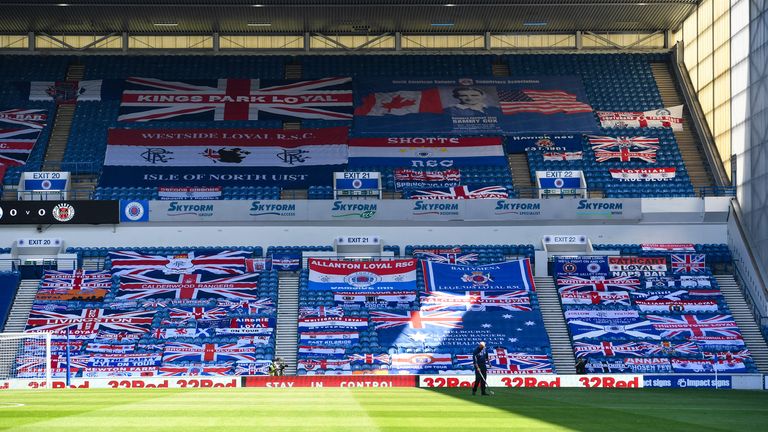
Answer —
(400, 103)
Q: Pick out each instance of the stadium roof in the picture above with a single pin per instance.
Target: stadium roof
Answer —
(340, 16)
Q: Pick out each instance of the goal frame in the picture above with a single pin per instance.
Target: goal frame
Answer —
(20, 337)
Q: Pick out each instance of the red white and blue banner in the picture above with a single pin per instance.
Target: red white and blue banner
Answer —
(688, 263)
(635, 266)
(476, 301)
(472, 106)
(582, 266)
(612, 328)
(150, 99)
(689, 325)
(426, 152)
(170, 370)
(332, 324)
(23, 118)
(595, 298)
(643, 174)
(677, 306)
(189, 193)
(597, 284)
(329, 338)
(462, 192)
(504, 276)
(708, 366)
(503, 362)
(624, 148)
(76, 279)
(543, 143)
(412, 179)
(420, 362)
(449, 256)
(16, 145)
(562, 156)
(90, 321)
(676, 294)
(661, 118)
(286, 261)
(189, 286)
(368, 276)
(222, 263)
(375, 300)
(629, 365)
(208, 352)
(223, 157)
(65, 92)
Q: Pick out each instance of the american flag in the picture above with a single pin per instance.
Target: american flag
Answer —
(688, 263)
(374, 359)
(540, 102)
(694, 326)
(476, 301)
(624, 148)
(208, 352)
(16, 145)
(609, 349)
(518, 363)
(76, 279)
(416, 319)
(236, 99)
(581, 284)
(30, 118)
(90, 320)
(189, 286)
(461, 192)
(134, 263)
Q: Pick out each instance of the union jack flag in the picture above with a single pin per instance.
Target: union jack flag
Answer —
(134, 263)
(694, 325)
(450, 256)
(609, 349)
(416, 319)
(476, 301)
(321, 311)
(689, 263)
(624, 148)
(170, 333)
(16, 145)
(76, 279)
(149, 99)
(461, 192)
(314, 365)
(519, 363)
(374, 359)
(250, 307)
(729, 355)
(196, 313)
(90, 320)
(584, 329)
(189, 286)
(667, 348)
(208, 352)
(195, 370)
(31, 118)
(540, 101)
(259, 367)
(580, 284)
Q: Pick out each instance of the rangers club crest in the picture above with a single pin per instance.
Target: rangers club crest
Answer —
(477, 278)
(362, 279)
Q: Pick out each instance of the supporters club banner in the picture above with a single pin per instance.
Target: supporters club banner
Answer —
(23, 118)
(195, 286)
(562, 156)
(471, 106)
(587, 266)
(668, 247)
(65, 92)
(374, 300)
(643, 174)
(371, 276)
(595, 298)
(462, 192)
(597, 284)
(418, 363)
(223, 157)
(503, 362)
(426, 152)
(616, 328)
(16, 145)
(90, 321)
(150, 99)
(637, 266)
(661, 118)
(458, 329)
(477, 301)
(505, 276)
(543, 143)
(411, 179)
(189, 193)
(450, 256)
(624, 149)
(630, 365)
(227, 262)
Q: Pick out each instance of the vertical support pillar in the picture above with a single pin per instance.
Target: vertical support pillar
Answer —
(307, 41)
(216, 42)
(31, 41)
(398, 41)
(487, 41)
(579, 40)
(125, 41)
(667, 39)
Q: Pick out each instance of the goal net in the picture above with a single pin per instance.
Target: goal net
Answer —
(25, 355)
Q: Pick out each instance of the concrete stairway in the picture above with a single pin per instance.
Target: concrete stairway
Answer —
(554, 322)
(687, 141)
(286, 336)
(521, 176)
(22, 304)
(57, 143)
(742, 313)
(293, 70)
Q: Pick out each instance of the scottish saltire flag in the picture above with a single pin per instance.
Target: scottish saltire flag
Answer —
(450, 256)
(610, 349)
(688, 263)
(173, 333)
(16, 145)
(332, 323)
(618, 328)
(420, 363)
(373, 300)
(708, 366)
(134, 263)
(476, 301)
(189, 286)
(97, 347)
(504, 276)
(595, 298)
(309, 351)
(372, 359)
(321, 365)
(675, 326)
(321, 311)
(502, 362)
(90, 321)
(426, 152)
(624, 148)
(329, 338)
(196, 313)
(200, 369)
(462, 192)
(677, 306)
(149, 99)
(579, 284)
(367, 276)
(207, 352)
(583, 266)
(458, 330)
(23, 118)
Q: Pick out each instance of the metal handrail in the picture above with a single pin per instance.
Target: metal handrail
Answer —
(759, 270)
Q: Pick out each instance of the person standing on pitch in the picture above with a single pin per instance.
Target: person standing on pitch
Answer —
(480, 360)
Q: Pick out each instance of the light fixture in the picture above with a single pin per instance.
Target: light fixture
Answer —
(535, 24)
(259, 24)
(62, 4)
(450, 4)
(445, 24)
(169, 24)
(257, 5)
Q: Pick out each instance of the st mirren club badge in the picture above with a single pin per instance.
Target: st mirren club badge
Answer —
(63, 212)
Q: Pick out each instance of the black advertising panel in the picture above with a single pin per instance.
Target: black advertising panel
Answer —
(59, 212)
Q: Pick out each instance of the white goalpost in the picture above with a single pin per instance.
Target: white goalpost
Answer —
(26, 356)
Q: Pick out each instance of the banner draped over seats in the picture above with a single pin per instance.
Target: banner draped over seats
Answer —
(426, 152)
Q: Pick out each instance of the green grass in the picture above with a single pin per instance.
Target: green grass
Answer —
(363, 410)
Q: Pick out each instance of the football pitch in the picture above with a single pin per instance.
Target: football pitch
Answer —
(361, 409)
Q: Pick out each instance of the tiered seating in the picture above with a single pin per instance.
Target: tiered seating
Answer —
(227, 193)
(394, 65)
(414, 331)
(187, 67)
(199, 313)
(652, 324)
(9, 284)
